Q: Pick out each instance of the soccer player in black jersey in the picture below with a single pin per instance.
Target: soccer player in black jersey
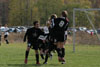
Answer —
(59, 27)
(32, 35)
(50, 40)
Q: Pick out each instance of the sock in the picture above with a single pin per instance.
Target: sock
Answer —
(59, 52)
(63, 52)
(42, 56)
(37, 58)
(26, 54)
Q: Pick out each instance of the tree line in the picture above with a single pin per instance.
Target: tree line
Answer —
(24, 12)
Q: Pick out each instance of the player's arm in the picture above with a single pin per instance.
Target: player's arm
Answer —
(67, 24)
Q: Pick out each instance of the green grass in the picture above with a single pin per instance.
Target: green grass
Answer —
(12, 55)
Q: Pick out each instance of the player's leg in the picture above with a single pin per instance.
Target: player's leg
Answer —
(42, 53)
(36, 48)
(37, 56)
(63, 52)
(42, 48)
(51, 50)
(59, 51)
(46, 56)
(6, 39)
(60, 48)
(63, 49)
(26, 54)
(47, 51)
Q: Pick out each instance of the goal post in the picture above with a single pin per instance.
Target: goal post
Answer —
(90, 21)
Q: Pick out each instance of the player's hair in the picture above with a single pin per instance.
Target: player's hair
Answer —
(35, 22)
(53, 16)
(64, 13)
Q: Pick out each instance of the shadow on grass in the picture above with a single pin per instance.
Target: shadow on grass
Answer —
(32, 65)
(21, 60)
(24, 65)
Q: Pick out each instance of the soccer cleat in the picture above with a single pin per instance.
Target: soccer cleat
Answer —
(63, 61)
(25, 61)
(45, 63)
(37, 63)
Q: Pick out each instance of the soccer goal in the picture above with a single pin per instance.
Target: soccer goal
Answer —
(91, 17)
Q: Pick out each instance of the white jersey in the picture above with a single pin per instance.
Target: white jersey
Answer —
(46, 30)
(6, 33)
(6, 28)
(42, 37)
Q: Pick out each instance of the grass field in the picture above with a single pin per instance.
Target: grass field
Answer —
(12, 55)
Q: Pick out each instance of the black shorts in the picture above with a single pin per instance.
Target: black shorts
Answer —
(5, 36)
(34, 46)
(59, 37)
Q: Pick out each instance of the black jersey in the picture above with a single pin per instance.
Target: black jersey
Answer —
(60, 25)
(32, 34)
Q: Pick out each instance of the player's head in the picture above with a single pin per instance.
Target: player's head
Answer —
(64, 13)
(36, 24)
(53, 16)
(5, 25)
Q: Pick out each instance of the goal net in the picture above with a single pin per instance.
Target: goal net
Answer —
(86, 27)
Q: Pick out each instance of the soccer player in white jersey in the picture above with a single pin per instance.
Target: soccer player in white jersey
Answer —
(6, 34)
